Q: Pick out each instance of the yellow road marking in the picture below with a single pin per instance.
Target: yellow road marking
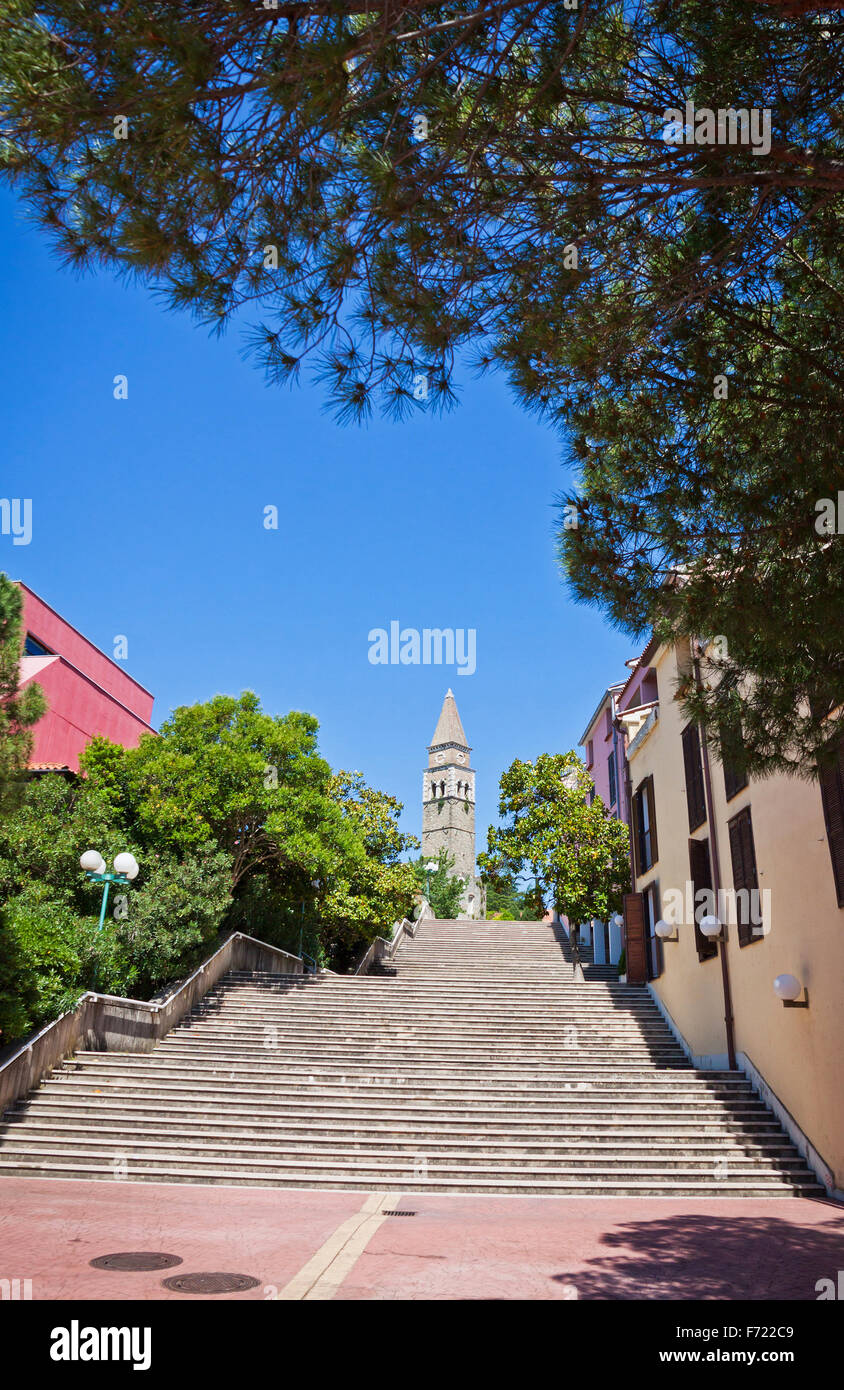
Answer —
(322, 1276)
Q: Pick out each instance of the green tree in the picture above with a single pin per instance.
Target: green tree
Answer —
(19, 709)
(311, 851)
(699, 513)
(389, 185)
(55, 820)
(369, 888)
(224, 771)
(573, 851)
(383, 196)
(441, 886)
(50, 954)
(237, 824)
(49, 936)
(506, 901)
(171, 924)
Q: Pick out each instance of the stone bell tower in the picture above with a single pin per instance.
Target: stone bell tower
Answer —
(448, 803)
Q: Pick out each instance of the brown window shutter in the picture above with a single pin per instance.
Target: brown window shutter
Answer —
(635, 944)
(701, 876)
(735, 774)
(831, 777)
(695, 799)
(743, 855)
(649, 789)
(635, 822)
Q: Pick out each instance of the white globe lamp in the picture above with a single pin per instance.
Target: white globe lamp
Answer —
(126, 864)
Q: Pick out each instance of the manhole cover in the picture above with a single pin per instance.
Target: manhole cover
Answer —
(136, 1260)
(398, 1213)
(210, 1283)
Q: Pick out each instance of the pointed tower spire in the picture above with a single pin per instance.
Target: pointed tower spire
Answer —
(449, 728)
(448, 805)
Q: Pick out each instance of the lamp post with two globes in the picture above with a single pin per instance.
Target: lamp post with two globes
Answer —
(125, 870)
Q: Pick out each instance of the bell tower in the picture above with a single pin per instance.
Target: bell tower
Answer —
(448, 802)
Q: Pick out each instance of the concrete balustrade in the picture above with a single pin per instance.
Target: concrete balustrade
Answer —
(382, 949)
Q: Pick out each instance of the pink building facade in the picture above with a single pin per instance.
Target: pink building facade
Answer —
(87, 693)
(603, 744)
(622, 712)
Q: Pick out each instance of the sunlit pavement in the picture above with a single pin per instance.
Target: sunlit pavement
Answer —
(461, 1247)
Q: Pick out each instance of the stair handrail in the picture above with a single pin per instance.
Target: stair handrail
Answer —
(381, 948)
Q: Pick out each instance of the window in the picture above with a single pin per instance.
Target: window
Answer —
(650, 690)
(612, 777)
(644, 823)
(701, 875)
(32, 647)
(652, 941)
(695, 798)
(831, 777)
(745, 882)
(589, 755)
(735, 773)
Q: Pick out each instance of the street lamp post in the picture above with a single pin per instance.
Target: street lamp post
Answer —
(125, 870)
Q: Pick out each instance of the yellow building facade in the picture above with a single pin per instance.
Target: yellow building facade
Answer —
(772, 831)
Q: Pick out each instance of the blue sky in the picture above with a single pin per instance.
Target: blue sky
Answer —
(148, 521)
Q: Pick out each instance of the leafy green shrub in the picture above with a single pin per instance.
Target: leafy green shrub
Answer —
(442, 887)
(172, 923)
(46, 951)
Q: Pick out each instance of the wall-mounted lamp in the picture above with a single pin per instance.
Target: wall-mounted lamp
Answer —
(788, 988)
(665, 931)
(712, 928)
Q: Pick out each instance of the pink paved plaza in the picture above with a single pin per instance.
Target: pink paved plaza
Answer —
(454, 1247)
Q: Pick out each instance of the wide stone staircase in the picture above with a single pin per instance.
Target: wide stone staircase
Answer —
(482, 1064)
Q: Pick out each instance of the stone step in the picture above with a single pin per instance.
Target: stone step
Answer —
(375, 985)
(395, 987)
(460, 1016)
(641, 1086)
(643, 1062)
(475, 1014)
(394, 1112)
(398, 994)
(567, 1044)
(491, 967)
(627, 1145)
(483, 1019)
(278, 1077)
(438, 1030)
(272, 1070)
(441, 1033)
(578, 1102)
(310, 1175)
(353, 1157)
(597, 1059)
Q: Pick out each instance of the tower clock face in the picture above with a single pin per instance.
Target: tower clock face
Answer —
(440, 757)
(461, 757)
